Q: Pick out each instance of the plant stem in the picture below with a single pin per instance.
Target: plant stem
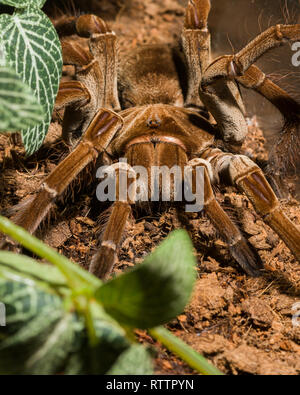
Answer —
(185, 352)
(89, 322)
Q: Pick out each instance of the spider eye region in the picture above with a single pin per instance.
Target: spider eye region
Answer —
(154, 122)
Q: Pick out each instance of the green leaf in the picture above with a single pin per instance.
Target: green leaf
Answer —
(42, 337)
(134, 361)
(23, 303)
(33, 49)
(40, 333)
(24, 3)
(29, 267)
(18, 105)
(156, 291)
(8, 274)
(98, 360)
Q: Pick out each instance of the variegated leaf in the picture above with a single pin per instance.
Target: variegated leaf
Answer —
(39, 332)
(23, 3)
(42, 336)
(32, 48)
(135, 360)
(19, 107)
(100, 359)
(23, 303)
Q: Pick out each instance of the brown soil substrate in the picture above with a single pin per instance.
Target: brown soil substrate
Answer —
(242, 325)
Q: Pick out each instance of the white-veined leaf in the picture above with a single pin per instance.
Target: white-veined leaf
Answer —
(136, 360)
(23, 3)
(33, 49)
(43, 337)
(19, 107)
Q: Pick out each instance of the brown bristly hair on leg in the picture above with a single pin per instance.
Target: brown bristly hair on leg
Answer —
(285, 155)
(284, 160)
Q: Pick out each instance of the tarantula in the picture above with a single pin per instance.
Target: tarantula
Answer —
(138, 110)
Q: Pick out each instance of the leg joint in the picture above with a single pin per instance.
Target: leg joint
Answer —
(51, 191)
(239, 167)
(204, 163)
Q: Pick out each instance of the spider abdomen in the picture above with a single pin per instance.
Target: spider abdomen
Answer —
(148, 76)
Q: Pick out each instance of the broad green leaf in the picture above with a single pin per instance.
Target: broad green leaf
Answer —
(23, 3)
(29, 267)
(134, 361)
(18, 105)
(156, 291)
(33, 49)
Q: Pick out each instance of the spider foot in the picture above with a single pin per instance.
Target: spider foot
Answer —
(88, 25)
(197, 14)
(247, 258)
(84, 26)
(103, 261)
(250, 179)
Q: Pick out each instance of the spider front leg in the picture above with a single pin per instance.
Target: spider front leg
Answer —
(96, 139)
(72, 93)
(239, 248)
(96, 72)
(219, 89)
(103, 261)
(236, 65)
(285, 155)
(75, 97)
(103, 52)
(245, 174)
(196, 46)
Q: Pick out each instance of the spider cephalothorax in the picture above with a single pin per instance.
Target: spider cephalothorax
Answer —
(138, 109)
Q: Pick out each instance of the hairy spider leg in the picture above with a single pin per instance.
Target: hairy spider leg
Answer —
(196, 44)
(241, 171)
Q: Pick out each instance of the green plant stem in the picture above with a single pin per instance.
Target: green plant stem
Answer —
(76, 277)
(89, 322)
(185, 352)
